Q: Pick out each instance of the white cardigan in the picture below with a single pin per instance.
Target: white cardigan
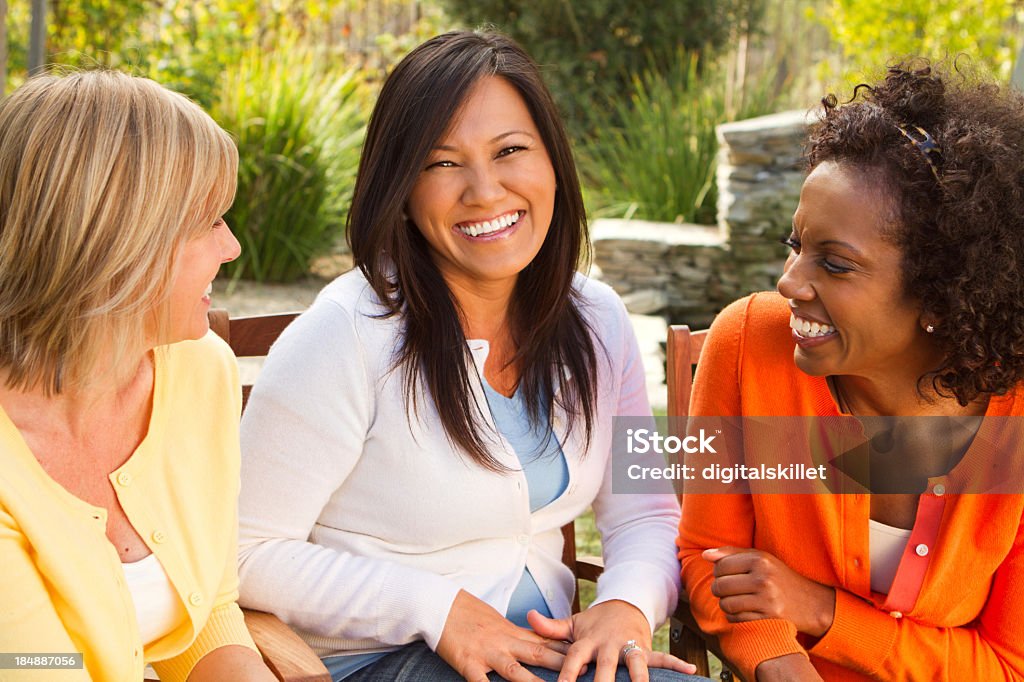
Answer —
(359, 525)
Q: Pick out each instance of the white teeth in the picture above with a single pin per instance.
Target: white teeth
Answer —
(209, 289)
(489, 226)
(808, 328)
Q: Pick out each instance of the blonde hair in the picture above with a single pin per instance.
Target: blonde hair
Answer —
(103, 177)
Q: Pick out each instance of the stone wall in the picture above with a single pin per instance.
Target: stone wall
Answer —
(689, 272)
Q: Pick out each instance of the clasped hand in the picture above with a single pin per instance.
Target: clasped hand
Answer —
(599, 634)
(477, 640)
(751, 585)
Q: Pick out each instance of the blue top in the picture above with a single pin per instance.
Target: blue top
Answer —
(547, 476)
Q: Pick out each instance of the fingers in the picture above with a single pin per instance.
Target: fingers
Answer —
(508, 668)
(575, 662)
(739, 563)
(513, 671)
(658, 659)
(607, 664)
(538, 653)
(556, 645)
(745, 616)
(717, 553)
(730, 585)
(475, 673)
(636, 664)
(551, 628)
(742, 603)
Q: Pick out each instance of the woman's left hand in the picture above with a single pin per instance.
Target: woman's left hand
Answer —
(599, 634)
(751, 585)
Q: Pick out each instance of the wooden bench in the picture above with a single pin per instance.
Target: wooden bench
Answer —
(686, 639)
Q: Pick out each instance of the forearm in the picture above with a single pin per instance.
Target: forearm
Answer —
(641, 568)
(340, 595)
(711, 521)
(788, 668)
(873, 642)
(231, 663)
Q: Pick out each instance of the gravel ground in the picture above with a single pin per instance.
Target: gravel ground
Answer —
(251, 298)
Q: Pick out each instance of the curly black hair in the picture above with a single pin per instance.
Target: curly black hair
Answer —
(958, 211)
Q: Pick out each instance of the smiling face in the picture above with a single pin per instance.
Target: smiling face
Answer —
(485, 197)
(850, 313)
(197, 264)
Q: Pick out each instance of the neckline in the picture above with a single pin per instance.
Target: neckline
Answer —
(998, 405)
(143, 564)
(490, 390)
(22, 450)
(889, 530)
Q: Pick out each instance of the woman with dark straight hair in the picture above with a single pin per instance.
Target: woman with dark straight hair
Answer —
(419, 436)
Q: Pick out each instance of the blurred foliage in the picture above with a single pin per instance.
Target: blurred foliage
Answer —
(588, 49)
(653, 155)
(299, 121)
(292, 80)
(875, 33)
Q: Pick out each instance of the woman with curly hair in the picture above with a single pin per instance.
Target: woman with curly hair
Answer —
(902, 297)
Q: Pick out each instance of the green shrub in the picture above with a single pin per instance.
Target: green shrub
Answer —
(653, 154)
(587, 46)
(874, 33)
(299, 124)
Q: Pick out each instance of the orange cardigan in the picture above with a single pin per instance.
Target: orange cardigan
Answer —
(955, 613)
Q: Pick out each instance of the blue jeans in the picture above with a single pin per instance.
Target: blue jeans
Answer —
(417, 663)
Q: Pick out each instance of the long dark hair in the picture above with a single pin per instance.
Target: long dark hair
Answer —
(554, 346)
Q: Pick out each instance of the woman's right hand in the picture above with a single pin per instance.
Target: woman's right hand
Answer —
(477, 639)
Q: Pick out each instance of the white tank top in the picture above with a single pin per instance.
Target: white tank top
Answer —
(886, 544)
(157, 607)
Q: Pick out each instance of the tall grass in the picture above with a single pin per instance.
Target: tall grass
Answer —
(299, 120)
(653, 153)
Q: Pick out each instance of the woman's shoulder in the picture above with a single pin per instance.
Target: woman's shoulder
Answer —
(752, 332)
(203, 354)
(347, 305)
(352, 293)
(597, 300)
(756, 313)
(757, 323)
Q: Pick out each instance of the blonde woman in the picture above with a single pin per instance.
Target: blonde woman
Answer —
(118, 410)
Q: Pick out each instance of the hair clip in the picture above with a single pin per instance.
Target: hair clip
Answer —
(926, 144)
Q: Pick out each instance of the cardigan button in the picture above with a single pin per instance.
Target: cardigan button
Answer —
(195, 599)
(896, 614)
(922, 550)
(124, 478)
(159, 536)
(939, 489)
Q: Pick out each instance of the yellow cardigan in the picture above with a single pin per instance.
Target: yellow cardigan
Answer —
(62, 588)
